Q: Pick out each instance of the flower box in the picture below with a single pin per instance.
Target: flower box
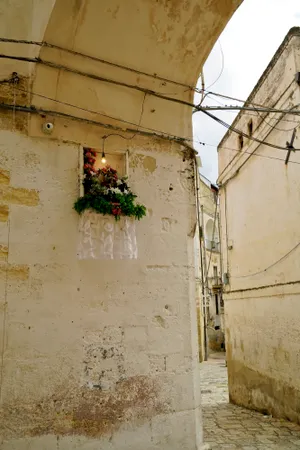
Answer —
(107, 210)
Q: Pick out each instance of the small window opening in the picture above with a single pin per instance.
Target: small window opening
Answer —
(215, 269)
(92, 159)
(221, 301)
(250, 127)
(240, 142)
(217, 304)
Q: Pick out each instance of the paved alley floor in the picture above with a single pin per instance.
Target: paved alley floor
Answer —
(229, 427)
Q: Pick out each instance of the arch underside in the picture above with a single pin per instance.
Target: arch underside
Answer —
(167, 38)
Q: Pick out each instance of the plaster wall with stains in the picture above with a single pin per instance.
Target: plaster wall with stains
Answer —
(259, 217)
(96, 349)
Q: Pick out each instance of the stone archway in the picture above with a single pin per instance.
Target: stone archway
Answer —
(169, 38)
(100, 353)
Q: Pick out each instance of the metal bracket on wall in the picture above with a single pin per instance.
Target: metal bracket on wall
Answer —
(290, 147)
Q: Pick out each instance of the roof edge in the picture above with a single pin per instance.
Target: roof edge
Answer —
(294, 31)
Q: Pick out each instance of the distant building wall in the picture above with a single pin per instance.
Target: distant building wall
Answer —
(211, 304)
(260, 210)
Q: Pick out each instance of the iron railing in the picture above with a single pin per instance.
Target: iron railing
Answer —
(212, 245)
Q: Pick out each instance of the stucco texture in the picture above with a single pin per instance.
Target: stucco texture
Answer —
(91, 347)
(260, 215)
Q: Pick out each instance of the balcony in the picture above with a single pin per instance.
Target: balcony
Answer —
(212, 245)
(216, 283)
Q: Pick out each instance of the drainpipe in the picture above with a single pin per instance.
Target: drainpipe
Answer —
(202, 263)
(220, 242)
(221, 259)
(221, 270)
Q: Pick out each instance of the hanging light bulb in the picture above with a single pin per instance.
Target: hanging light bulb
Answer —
(103, 159)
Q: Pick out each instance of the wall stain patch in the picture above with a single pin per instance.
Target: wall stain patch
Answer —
(263, 393)
(4, 176)
(4, 213)
(148, 163)
(83, 411)
(14, 271)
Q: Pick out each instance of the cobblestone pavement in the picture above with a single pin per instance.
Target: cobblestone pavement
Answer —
(231, 427)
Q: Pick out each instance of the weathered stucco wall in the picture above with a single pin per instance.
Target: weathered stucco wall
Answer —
(124, 327)
(263, 352)
(260, 215)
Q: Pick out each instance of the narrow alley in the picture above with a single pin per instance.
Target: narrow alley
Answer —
(229, 427)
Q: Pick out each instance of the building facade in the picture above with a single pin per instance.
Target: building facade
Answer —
(99, 353)
(260, 209)
(210, 305)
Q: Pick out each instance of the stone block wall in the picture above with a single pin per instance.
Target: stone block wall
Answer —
(95, 354)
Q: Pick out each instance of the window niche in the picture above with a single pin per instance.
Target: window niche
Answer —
(107, 212)
(240, 142)
(250, 127)
(118, 161)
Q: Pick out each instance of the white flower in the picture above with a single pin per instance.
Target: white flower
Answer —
(119, 182)
(115, 190)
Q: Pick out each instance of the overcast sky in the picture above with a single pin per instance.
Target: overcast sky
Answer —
(248, 44)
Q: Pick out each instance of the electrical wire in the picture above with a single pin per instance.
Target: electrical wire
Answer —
(179, 138)
(252, 154)
(202, 87)
(164, 135)
(137, 130)
(120, 66)
(222, 67)
(121, 120)
(248, 102)
(105, 115)
(273, 126)
(112, 81)
(213, 235)
(271, 265)
(228, 97)
(248, 113)
(242, 133)
(103, 61)
(207, 179)
(148, 128)
(40, 111)
(262, 110)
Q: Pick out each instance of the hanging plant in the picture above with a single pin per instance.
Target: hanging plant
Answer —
(106, 192)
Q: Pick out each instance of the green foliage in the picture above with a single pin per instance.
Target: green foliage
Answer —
(106, 193)
(102, 205)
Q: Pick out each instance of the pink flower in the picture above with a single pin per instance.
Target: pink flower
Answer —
(116, 211)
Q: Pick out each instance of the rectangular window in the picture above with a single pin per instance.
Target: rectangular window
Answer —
(217, 304)
(118, 161)
(215, 269)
